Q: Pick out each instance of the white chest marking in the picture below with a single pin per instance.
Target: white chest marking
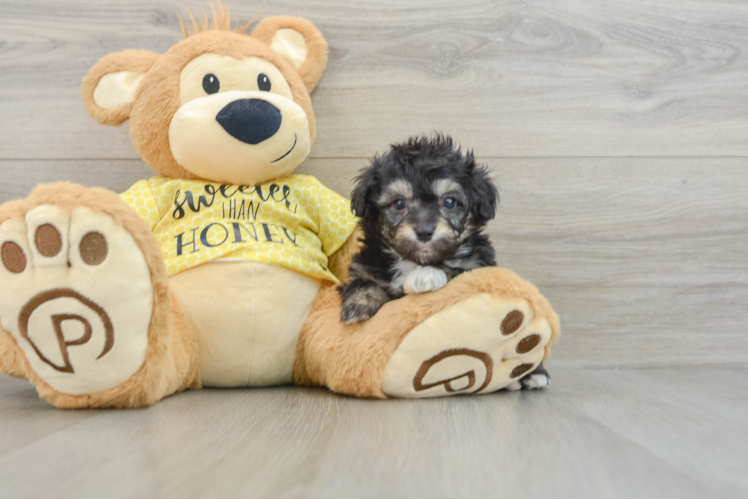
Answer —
(424, 279)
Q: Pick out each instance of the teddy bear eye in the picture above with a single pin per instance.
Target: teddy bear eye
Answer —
(263, 82)
(211, 85)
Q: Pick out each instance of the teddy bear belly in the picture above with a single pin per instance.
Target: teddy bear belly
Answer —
(247, 316)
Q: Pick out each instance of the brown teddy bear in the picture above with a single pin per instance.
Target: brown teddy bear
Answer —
(221, 271)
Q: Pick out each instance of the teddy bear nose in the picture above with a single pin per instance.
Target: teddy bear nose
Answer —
(250, 120)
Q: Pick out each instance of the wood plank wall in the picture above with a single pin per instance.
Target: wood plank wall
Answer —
(617, 132)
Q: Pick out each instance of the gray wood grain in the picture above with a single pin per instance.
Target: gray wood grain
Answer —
(593, 433)
(617, 134)
(644, 259)
(509, 78)
(25, 418)
(687, 417)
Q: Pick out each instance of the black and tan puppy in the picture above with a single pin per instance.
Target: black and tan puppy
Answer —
(423, 206)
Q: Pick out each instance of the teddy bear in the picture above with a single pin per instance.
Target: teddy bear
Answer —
(221, 271)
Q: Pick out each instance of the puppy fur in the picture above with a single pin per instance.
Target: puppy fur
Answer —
(423, 206)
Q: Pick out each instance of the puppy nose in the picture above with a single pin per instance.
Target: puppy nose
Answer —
(424, 233)
(250, 120)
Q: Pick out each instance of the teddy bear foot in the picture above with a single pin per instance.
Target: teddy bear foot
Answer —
(76, 295)
(480, 345)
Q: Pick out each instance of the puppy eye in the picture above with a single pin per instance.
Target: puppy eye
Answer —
(399, 204)
(449, 203)
(263, 82)
(211, 85)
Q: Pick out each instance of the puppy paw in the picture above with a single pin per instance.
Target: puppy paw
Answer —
(535, 381)
(356, 313)
(362, 304)
(538, 379)
(424, 279)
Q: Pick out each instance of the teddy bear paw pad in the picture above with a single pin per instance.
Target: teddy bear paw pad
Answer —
(480, 345)
(76, 294)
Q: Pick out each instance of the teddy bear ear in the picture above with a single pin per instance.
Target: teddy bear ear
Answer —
(110, 85)
(299, 42)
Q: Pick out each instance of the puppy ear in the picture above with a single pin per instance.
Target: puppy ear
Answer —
(110, 86)
(484, 194)
(362, 193)
(299, 42)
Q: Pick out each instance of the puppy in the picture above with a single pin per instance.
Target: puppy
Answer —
(423, 206)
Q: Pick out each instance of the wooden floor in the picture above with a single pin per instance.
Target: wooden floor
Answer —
(618, 137)
(664, 432)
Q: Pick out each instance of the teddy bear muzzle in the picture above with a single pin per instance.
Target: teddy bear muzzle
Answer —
(240, 137)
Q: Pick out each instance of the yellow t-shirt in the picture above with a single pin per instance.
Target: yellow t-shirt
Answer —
(294, 222)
